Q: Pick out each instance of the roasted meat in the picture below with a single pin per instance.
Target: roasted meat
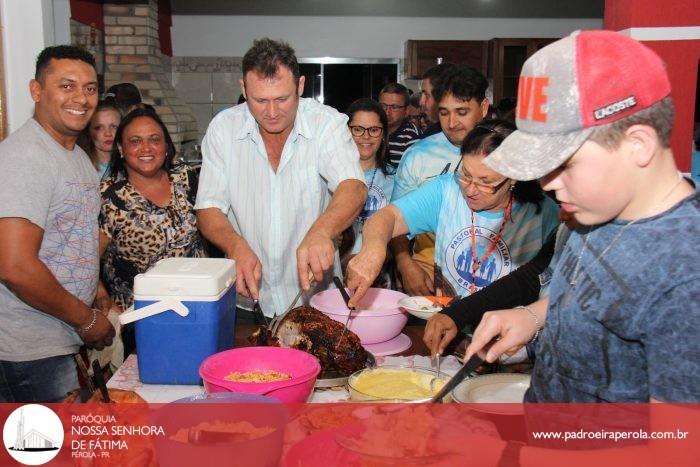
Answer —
(305, 328)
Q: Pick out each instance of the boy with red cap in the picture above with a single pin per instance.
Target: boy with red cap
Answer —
(622, 322)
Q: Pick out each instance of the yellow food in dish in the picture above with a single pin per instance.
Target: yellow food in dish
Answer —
(396, 384)
(264, 376)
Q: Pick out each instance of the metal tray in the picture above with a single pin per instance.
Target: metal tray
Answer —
(333, 379)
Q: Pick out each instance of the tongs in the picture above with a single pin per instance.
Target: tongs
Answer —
(275, 323)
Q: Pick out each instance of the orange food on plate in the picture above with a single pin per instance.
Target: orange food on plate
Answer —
(442, 301)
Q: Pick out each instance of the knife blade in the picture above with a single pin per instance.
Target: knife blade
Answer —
(89, 388)
(463, 372)
(100, 380)
(341, 287)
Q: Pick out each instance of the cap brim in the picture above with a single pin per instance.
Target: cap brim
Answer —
(528, 156)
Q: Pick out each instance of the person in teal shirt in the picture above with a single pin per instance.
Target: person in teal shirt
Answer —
(369, 128)
(485, 225)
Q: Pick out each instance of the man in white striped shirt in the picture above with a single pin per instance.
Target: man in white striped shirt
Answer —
(269, 168)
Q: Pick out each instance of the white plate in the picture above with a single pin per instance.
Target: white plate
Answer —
(499, 388)
(420, 307)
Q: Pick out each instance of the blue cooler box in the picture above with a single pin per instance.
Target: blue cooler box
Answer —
(185, 311)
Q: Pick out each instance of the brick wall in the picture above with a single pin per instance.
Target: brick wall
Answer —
(132, 54)
(207, 84)
(91, 39)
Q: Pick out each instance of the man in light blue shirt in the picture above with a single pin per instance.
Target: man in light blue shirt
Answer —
(268, 169)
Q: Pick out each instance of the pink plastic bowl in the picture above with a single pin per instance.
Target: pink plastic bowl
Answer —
(378, 319)
(301, 366)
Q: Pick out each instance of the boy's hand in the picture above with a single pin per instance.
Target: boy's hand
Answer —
(513, 327)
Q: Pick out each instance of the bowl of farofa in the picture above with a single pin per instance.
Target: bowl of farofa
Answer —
(393, 383)
(256, 421)
(287, 375)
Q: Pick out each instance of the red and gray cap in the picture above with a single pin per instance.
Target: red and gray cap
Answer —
(568, 88)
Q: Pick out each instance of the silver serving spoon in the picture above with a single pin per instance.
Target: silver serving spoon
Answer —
(437, 377)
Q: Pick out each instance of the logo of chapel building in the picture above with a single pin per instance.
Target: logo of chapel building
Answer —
(376, 199)
(33, 434)
(459, 258)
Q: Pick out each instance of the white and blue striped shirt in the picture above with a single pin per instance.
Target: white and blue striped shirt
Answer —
(271, 210)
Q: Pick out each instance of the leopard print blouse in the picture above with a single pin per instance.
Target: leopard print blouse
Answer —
(143, 233)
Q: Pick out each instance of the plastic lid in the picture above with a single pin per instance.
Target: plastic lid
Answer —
(197, 277)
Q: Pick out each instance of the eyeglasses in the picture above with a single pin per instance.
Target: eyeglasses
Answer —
(359, 131)
(464, 181)
(392, 107)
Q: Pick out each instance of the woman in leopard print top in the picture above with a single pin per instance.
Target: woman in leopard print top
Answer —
(147, 211)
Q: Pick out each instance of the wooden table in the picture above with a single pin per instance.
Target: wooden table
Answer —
(414, 331)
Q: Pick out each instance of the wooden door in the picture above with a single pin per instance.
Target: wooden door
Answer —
(422, 55)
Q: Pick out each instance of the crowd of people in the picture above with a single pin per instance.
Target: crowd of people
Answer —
(428, 194)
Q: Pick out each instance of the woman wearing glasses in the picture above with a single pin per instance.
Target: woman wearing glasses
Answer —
(485, 225)
(369, 128)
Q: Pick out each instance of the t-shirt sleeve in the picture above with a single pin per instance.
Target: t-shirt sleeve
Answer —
(212, 190)
(341, 160)
(672, 345)
(27, 183)
(405, 181)
(421, 208)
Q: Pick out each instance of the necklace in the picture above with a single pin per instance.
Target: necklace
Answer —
(477, 262)
(579, 269)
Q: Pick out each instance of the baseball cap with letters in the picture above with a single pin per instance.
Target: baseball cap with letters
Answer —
(568, 88)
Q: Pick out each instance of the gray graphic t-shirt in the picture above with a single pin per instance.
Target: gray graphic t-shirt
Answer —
(57, 190)
(629, 330)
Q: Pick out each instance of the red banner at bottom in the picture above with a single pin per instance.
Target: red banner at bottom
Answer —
(349, 434)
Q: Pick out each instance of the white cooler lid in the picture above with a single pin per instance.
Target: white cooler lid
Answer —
(197, 277)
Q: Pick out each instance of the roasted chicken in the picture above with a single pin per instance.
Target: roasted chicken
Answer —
(305, 328)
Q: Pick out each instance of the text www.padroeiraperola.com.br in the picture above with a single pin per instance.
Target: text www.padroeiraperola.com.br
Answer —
(609, 435)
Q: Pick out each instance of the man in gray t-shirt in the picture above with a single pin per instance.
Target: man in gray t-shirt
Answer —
(49, 262)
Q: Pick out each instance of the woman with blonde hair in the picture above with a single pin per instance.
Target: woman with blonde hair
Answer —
(98, 137)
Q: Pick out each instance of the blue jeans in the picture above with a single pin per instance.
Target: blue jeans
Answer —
(45, 380)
